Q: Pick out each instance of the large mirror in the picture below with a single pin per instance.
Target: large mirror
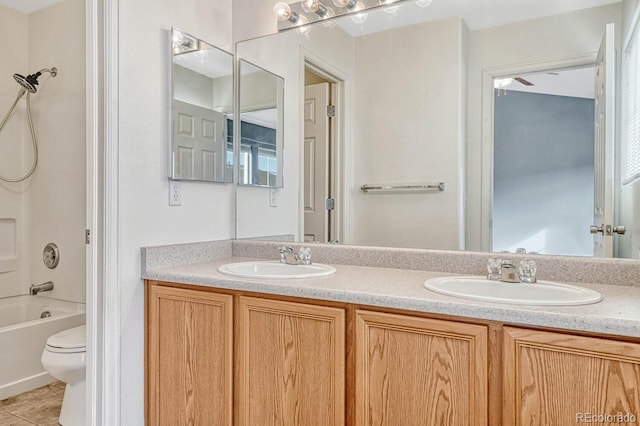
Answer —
(201, 145)
(261, 116)
(422, 145)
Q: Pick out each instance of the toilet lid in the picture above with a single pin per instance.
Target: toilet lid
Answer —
(71, 340)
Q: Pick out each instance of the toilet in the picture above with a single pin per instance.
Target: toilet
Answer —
(64, 358)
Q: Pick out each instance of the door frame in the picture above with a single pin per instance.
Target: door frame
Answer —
(340, 142)
(488, 75)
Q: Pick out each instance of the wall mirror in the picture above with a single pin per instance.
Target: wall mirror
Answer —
(260, 129)
(201, 145)
(412, 92)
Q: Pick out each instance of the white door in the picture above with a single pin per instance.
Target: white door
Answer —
(316, 155)
(199, 142)
(603, 229)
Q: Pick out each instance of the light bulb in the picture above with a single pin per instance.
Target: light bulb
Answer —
(282, 11)
(360, 17)
(349, 4)
(391, 9)
(302, 28)
(310, 5)
(423, 3)
(329, 23)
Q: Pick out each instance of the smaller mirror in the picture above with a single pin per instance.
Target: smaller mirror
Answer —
(201, 110)
(261, 123)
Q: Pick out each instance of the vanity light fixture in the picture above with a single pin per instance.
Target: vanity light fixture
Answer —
(308, 11)
(184, 43)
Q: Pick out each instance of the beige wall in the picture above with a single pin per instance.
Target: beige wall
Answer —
(50, 206)
(13, 197)
(409, 125)
(57, 190)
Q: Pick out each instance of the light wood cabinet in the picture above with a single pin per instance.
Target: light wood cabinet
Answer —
(290, 365)
(560, 379)
(419, 371)
(189, 356)
(222, 358)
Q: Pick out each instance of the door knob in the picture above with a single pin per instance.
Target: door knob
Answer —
(607, 230)
(596, 229)
(619, 230)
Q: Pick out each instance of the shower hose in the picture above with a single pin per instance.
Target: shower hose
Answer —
(33, 138)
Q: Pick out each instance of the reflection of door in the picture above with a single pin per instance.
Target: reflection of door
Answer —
(604, 143)
(199, 138)
(316, 149)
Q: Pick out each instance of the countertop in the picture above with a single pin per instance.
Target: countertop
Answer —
(618, 313)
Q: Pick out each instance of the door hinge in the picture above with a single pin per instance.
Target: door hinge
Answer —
(330, 204)
(331, 111)
(87, 236)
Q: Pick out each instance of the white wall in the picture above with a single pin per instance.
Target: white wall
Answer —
(144, 216)
(13, 198)
(418, 140)
(551, 38)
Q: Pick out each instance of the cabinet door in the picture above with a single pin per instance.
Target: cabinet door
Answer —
(290, 364)
(559, 379)
(418, 371)
(189, 357)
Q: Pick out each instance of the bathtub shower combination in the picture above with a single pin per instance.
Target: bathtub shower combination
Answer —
(26, 322)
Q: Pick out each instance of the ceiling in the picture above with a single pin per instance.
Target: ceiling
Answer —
(477, 14)
(28, 6)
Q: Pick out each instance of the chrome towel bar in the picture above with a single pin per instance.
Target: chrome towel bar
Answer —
(404, 188)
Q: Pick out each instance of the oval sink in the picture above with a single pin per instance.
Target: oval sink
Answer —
(540, 293)
(275, 270)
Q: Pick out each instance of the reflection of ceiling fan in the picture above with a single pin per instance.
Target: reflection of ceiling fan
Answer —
(523, 81)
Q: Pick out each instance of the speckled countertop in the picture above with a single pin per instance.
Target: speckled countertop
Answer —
(618, 313)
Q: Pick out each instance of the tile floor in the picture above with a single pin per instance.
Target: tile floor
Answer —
(40, 407)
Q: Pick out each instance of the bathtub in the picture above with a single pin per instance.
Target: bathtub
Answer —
(23, 335)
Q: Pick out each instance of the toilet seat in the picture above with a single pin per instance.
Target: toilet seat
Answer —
(72, 340)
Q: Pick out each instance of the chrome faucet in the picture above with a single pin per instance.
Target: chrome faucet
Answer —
(37, 288)
(508, 272)
(505, 270)
(290, 257)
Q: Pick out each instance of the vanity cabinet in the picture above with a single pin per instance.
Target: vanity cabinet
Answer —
(560, 379)
(419, 371)
(189, 357)
(226, 357)
(290, 364)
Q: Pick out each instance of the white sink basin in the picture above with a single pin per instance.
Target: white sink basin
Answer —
(275, 270)
(540, 293)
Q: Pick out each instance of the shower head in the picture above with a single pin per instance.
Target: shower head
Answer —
(28, 82)
(31, 81)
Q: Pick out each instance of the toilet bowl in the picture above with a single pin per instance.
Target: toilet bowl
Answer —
(64, 358)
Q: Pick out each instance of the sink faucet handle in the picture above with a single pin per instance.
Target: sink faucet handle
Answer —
(305, 255)
(494, 265)
(527, 270)
(283, 251)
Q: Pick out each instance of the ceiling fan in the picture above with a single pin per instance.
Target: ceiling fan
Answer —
(523, 81)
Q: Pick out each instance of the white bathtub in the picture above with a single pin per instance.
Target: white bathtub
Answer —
(23, 335)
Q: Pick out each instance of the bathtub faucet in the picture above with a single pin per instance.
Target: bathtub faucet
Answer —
(37, 288)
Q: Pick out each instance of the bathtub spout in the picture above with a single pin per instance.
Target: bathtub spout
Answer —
(37, 288)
